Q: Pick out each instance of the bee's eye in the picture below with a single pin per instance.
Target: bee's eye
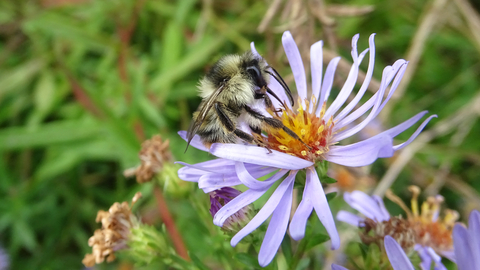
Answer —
(254, 72)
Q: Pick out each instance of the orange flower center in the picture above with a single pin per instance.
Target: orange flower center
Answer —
(430, 229)
(313, 131)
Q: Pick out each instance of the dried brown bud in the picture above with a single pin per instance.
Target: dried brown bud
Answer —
(153, 155)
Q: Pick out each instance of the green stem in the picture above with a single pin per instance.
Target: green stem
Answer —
(298, 254)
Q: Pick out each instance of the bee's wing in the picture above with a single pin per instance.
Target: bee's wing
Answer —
(197, 122)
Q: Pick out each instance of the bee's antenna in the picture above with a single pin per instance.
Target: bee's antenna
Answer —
(280, 80)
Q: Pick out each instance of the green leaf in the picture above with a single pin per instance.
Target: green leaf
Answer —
(331, 195)
(328, 180)
(197, 262)
(287, 248)
(317, 239)
(47, 134)
(247, 260)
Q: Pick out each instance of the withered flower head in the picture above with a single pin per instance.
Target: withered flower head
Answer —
(114, 234)
(153, 155)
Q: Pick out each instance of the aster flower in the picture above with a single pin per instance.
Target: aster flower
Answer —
(467, 243)
(397, 257)
(320, 128)
(422, 231)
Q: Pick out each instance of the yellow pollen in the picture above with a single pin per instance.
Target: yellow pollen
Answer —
(320, 129)
(283, 147)
(414, 202)
(330, 120)
(316, 136)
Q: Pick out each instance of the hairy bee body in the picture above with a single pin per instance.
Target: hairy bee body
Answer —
(228, 91)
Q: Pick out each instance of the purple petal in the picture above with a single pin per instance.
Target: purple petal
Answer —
(474, 230)
(236, 204)
(210, 181)
(381, 206)
(463, 253)
(338, 267)
(389, 73)
(276, 228)
(426, 260)
(396, 255)
(251, 182)
(349, 83)
(266, 210)
(349, 218)
(378, 101)
(365, 205)
(365, 84)
(296, 64)
(436, 258)
(394, 131)
(316, 63)
(196, 142)
(258, 155)
(362, 153)
(320, 204)
(299, 219)
(327, 83)
(215, 181)
(415, 134)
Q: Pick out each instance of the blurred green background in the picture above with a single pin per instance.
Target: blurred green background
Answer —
(83, 83)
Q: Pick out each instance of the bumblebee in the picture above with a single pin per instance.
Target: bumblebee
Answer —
(228, 90)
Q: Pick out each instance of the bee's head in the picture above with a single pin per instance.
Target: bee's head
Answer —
(254, 69)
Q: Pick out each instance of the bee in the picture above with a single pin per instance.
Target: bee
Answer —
(228, 90)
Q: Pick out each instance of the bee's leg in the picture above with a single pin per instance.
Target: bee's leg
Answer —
(223, 117)
(274, 123)
(268, 101)
(250, 139)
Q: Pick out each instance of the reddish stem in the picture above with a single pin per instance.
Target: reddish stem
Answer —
(170, 225)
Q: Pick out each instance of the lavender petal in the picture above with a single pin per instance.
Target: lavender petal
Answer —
(381, 206)
(251, 182)
(426, 260)
(338, 267)
(266, 210)
(378, 101)
(349, 83)
(276, 228)
(362, 153)
(258, 155)
(474, 231)
(415, 134)
(299, 219)
(316, 63)
(349, 218)
(320, 204)
(365, 84)
(365, 205)
(396, 255)
(327, 83)
(196, 142)
(296, 64)
(463, 252)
